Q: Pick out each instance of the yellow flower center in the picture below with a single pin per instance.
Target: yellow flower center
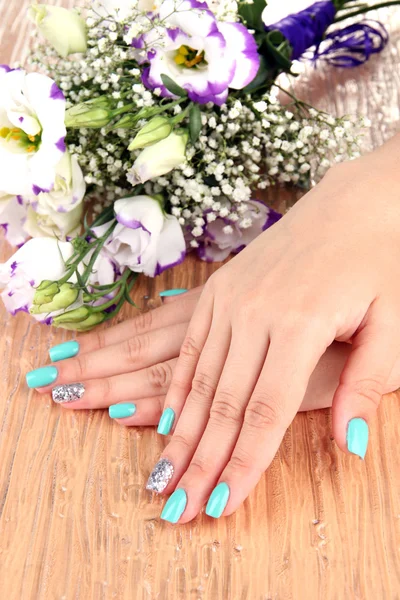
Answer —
(189, 57)
(29, 143)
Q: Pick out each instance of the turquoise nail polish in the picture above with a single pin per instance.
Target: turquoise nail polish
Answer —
(169, 293)
(166, 421)
(63, 351)
(218, 500)
(175, 506)
(357, 437)
(41, 377)
(121, 411)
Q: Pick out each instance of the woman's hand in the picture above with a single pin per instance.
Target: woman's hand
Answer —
(329, 270)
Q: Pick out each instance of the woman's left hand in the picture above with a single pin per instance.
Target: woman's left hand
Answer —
(329, 270)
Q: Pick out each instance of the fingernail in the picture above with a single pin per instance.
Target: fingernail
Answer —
(121, 411)
(175, 506)
(218, 500)
(63, 351)
(357, 437)
(175, 292)
(166, 421)
(160, 476)
(41, 377)
(71, 392)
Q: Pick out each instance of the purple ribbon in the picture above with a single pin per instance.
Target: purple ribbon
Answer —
(306, 28)
(348, 47)
(353, 45)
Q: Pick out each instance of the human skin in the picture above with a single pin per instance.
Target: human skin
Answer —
(265, 337)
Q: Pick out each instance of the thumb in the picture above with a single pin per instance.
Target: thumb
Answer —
(363, 380)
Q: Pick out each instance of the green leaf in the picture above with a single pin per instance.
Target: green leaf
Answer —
(173, 87)
(252, 14)
(195, 123)
(128, 298)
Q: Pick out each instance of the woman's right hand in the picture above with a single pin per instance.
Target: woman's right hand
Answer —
(134, 361)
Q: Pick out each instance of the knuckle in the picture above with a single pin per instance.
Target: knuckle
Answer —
(189, 349)
(240, 462)
(182, 442)
(198, 467)
(99, 339)
(203, 386)
(371, 390)
(225, 408)
(106, 391)
(143, 322)
(160, 375)
(135, 347)
(80, 367)
(264, 411)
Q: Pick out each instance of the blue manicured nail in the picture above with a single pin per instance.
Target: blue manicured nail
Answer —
(357, 437)
(175, 506)
(63, 351)
(169, 293)
(122, 411)
(41, 377)
(218, 500)
(166, 421)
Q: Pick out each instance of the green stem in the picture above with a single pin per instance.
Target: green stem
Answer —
(122, 300)
(362, 11)
(96, 253)
(116, 298)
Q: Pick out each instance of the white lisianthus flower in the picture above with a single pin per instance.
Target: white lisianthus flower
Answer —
(38, 260)
(160, 158)
(64, 29)
(58, 213)
(32, 132)
(13, 219)
(145, 239)
(204, 56)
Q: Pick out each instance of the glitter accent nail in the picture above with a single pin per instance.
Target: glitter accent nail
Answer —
(68, 393)
(160, 476)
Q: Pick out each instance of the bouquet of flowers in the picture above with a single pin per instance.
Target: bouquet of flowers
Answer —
(164, 114)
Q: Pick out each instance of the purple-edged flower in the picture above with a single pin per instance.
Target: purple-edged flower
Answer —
(145, 239)
(38, 260)
(32, 132)
(202, 55)
(13, 213)
(223, 237)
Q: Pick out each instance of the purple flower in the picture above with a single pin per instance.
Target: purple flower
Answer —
(202, 55)
(223, 237)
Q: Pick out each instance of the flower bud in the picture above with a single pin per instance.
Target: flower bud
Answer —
(64, 29)
(45, 292)
(160, 158)
(73, 316)
(65, 295)
(88, 323)
(93, 114)
(154, 131)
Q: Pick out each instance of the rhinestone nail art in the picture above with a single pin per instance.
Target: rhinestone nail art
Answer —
(160, 476)
(68, 393)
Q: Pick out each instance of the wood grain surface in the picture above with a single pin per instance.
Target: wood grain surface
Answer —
(76, 522)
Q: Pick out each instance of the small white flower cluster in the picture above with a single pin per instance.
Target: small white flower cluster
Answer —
(247, 144)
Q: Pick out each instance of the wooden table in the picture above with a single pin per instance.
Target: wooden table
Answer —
(76, 522)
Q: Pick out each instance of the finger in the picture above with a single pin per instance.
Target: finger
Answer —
(102, 393)
(179, 311)
(364, 379)
(189, 355)
(224, 418)
(146, 412)
(276, 398)
(169, 296)
(133, 354)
